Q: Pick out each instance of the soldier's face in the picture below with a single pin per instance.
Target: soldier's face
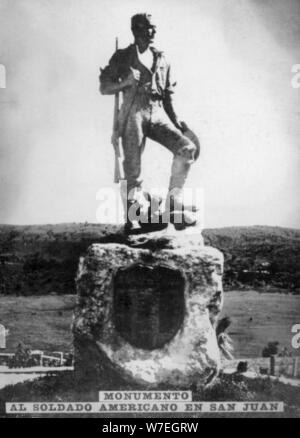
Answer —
(150, 33)
(147, 33)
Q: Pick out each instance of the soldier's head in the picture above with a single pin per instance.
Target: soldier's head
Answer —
(143, 28)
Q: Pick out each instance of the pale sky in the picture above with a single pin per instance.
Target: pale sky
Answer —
(232, 61)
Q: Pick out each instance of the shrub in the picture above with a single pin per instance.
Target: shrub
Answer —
(271, 349)
(22, 357)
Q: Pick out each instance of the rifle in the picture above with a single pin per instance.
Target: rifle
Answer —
(119, 171)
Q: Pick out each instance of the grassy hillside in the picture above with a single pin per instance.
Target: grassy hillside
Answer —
(259, 256)
(44, 259)
(38, 260)
(44, 322)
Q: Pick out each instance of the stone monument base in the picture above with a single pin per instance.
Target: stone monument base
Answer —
(147, 311)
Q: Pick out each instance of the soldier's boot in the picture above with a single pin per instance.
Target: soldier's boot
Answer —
(128, 201)
(137, 208)
(175, 200)
(151, 218)
(181, 215)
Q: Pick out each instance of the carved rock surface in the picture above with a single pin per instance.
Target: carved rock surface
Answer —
(146, 317)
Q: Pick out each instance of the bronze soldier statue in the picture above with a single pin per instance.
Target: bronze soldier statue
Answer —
(143, 75)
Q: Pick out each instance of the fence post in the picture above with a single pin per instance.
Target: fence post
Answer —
(2, 337)
(272, 365)
(295, 368)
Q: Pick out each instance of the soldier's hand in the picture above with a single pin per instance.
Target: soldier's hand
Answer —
(134, 77)
(183, 126)
(180, 125)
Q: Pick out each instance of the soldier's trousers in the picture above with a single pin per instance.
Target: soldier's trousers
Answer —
(147, 118)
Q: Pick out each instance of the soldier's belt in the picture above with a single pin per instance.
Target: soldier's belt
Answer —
(151, 94)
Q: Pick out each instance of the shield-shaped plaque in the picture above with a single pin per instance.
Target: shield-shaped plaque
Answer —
(148, 304)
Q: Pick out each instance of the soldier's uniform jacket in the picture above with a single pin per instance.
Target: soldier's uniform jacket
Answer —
(158, 82)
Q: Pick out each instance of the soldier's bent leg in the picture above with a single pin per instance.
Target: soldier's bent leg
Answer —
(165, 133)
(180, 212)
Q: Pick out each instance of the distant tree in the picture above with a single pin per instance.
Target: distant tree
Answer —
(22, 357)
(271, 349)
(242, 367)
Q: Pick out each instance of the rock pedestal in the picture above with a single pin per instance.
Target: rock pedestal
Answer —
(147, 310)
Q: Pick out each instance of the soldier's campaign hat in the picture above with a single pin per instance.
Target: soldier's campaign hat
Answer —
(140, 21)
